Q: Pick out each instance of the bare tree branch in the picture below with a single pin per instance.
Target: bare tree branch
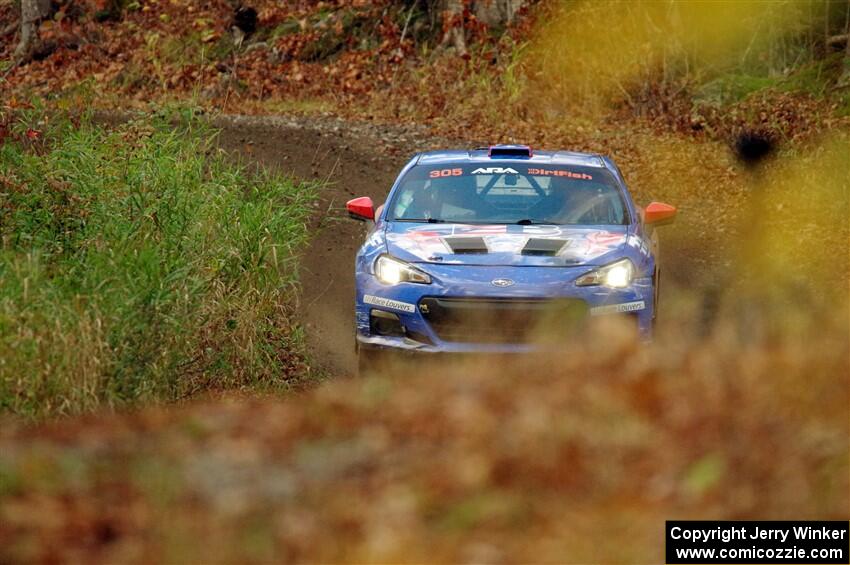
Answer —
(10, 29)
(837, 42)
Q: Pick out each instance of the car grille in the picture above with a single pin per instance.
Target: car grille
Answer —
(471, 320)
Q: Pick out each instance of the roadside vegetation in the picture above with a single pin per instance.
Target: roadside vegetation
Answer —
(139, 264)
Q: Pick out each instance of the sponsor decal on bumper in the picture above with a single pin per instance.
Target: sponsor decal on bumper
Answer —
(618, 308)
(387, 303)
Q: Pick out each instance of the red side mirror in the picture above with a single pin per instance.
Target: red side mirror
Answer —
(361, 208)
(659, 214)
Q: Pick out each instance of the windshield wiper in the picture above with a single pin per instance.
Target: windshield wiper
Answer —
(529, 222)
(421, 220)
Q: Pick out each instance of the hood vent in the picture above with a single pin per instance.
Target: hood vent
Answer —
(544, 247)
(466, 245)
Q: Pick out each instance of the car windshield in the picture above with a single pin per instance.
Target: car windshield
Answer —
(509, 194)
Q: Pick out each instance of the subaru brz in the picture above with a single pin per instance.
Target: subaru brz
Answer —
(503, 250)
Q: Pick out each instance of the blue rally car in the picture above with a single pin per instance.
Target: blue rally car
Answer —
(475, 251)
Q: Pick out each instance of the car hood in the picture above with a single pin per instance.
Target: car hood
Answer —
(500, 244)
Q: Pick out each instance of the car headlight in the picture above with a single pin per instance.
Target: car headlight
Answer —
(393, 271)
(616, 275)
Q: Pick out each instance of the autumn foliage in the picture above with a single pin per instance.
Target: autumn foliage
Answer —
(388, 61)
(738, 410)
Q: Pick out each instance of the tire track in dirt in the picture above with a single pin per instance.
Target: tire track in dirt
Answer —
(350, 160)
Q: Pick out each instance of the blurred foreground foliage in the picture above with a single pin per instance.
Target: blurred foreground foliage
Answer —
(137, 263)
(574, 457)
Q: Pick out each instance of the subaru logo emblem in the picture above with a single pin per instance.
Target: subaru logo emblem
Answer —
(502, 282)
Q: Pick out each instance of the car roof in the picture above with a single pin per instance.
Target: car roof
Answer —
(491, 154)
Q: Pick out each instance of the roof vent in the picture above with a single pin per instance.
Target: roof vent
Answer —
(509, 151)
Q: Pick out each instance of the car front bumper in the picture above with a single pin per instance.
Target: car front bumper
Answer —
(463, 290)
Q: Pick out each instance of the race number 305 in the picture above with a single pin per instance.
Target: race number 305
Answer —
(445, 173)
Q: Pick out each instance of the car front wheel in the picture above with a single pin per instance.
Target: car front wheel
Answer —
(369, 362)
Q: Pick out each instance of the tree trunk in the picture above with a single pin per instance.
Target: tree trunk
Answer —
(846, 33)
(453, 31)
(497, 13)
(847, 41)
(493, 13)
(845, 76)
(31, 13)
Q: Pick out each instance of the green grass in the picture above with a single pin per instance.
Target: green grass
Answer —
(731, 88)
(816, 79)
(140, 264)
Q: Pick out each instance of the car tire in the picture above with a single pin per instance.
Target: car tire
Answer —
(368, 362)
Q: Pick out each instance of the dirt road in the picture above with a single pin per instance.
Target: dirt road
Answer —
(349, 160)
